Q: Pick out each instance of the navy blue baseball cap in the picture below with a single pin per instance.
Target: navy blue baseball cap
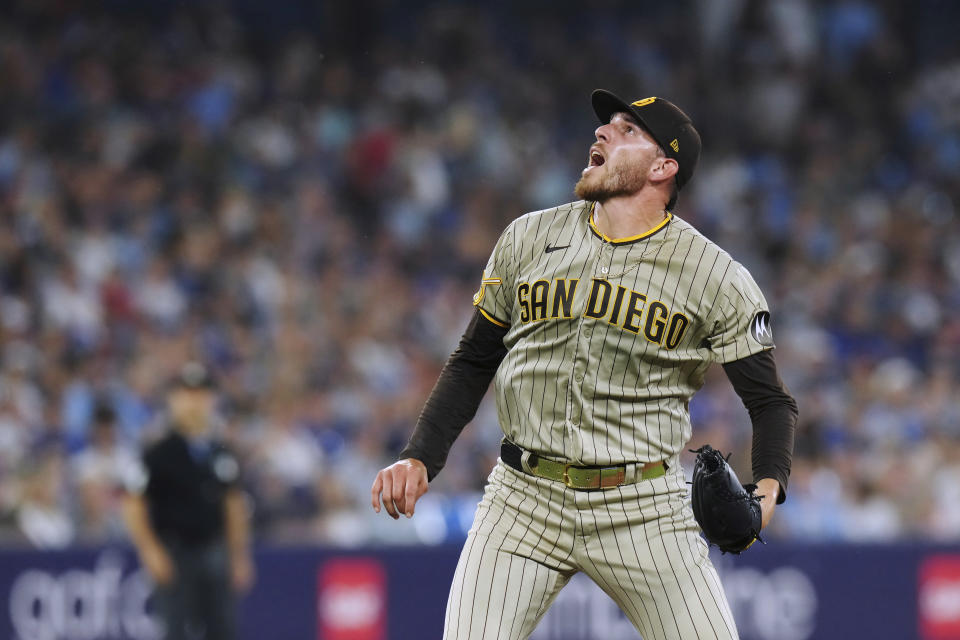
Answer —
(664, 121)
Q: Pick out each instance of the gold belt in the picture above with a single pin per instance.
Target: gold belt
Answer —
(577, 477)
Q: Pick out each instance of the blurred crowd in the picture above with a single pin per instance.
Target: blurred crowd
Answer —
(305, 201)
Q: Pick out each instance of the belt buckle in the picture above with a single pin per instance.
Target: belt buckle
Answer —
(615, 479)
(566, 476)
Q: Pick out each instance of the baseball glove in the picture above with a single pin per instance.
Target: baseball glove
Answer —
(727, 511)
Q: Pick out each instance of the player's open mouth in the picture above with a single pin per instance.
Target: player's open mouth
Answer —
(595, 159)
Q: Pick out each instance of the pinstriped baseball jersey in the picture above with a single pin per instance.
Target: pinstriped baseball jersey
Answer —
(609, 338)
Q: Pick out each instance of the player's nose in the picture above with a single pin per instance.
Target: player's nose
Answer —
(602, 133)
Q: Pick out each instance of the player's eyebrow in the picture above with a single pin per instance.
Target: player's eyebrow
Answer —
(630, 119)
(627, 117)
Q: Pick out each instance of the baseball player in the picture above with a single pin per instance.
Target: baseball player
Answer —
(598, 320)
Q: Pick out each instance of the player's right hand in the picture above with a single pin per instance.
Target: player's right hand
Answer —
(158, 564)
(402, 484)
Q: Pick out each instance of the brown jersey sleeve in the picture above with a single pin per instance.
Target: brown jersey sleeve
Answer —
(457, 394)
(773, 413)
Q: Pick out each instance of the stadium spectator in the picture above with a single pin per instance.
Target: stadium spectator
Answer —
(307, 212)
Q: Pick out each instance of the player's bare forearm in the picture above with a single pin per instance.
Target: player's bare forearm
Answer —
(153, 555)
(137, 520)
(401, 484)
(238, 539)
(769, 488)
(237, 523)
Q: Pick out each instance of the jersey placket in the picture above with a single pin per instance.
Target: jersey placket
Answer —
(582, 380)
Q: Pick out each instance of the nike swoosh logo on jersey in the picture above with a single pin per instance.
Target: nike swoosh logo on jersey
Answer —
(549, 248)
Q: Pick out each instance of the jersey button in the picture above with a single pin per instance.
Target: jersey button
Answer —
(578, 377)
(604, 270)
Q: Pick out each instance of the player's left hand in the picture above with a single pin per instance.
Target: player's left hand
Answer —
(770, 490)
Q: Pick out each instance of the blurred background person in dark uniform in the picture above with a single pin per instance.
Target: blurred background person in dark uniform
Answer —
(188, 517)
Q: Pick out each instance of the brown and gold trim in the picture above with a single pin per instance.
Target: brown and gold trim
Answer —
(631, 239)
(489, 317)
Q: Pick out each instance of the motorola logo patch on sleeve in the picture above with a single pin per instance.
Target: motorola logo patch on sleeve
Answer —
(761, 330)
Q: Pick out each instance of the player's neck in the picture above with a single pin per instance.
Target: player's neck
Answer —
(628, 216)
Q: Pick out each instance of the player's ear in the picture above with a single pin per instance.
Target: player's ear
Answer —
(664, 169)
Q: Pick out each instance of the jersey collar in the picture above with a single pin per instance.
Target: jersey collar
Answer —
(631, 239)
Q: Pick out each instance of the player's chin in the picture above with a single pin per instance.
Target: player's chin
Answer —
(588, 184)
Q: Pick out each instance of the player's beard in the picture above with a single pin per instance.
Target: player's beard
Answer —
(622, 180)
